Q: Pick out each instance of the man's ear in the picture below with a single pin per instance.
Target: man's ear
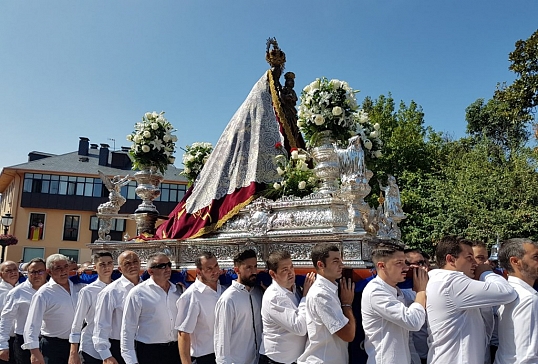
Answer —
(514, 262)
(380, 265)
(271, 273)
(450, 259)
(236, 269)
(320, 265)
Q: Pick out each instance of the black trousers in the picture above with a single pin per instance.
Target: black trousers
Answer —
(21, 356)
(115, 350)
(167, 353)
(88, 359)
(11, 352)
(204, 359)
(264, 359)
(54, 350)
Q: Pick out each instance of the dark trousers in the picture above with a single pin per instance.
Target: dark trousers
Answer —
(116, 350)
(88, 359)
(21, 356)
(205, 359)
(11, 352)
(54, 350)
(264, 359)
(167, 353)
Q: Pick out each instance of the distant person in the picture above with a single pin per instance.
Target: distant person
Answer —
(15, 312)
(195, 320)
(456, 293)
(83, 323)
(385, 318)
(238, 321)
(518, 320)
(330, 321)
(51, 313)
(283, 312)
(109, 309)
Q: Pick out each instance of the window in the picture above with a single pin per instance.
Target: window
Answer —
(117, 224)
(36, 226)
(71, 224)
(70, 253)
(31, 253)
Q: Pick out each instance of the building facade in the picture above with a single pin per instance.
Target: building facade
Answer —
(54, 198)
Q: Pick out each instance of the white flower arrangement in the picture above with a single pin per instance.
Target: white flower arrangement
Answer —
(328, 105)
(370, 134)
(194, 159)
(297, 177)
(153, 142)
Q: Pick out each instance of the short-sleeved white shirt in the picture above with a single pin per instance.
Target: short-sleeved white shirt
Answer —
(324, 317)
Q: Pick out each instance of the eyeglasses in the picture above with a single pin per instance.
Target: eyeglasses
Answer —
(37, 272)
(162, 266)
(420, 263)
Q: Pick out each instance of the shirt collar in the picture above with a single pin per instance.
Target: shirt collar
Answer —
(201, 286)
(52, 282)
(388, 287)
(278, 287)
(151, 282)
(7, 285)
(522, 283)
(326, 283)
(240, 287)
(125, 282)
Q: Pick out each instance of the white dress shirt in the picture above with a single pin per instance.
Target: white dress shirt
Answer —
(324, 317)
(387, 321)
(518, 326)
(5, 288)
(418, 340)
(457, 329)
(196, 316)
(85, 312)
(108, 315)
(51, 313)
(149, 316)
(15, 312)
(284, 324)
(238, 325)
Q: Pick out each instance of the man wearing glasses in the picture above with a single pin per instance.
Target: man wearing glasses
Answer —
(16, 310)
(148, 333)
(109, 309)
(51, 314)
(104, 265)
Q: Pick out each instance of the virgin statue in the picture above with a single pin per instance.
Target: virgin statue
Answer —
(242, 162)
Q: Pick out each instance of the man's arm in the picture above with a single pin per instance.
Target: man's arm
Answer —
(347, 293)
(83, 306)
(104, 310)
(184, 344)
(129, 325)
(32, 328)
(224, 316)
(286, 315)
(188, 309)
(491, 290)
(9, 314)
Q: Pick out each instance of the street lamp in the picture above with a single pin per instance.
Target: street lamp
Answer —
(7, 219)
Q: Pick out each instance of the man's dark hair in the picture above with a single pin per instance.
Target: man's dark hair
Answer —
(275, 258)
(206, 255)
(413, 250)
(480, 244)
(321, 251)
(384, 250)
(450, 244)
(100, 254)
(512, 248)
(239, 258)
(36, 260)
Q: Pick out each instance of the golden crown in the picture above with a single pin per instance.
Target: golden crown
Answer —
(275, 56)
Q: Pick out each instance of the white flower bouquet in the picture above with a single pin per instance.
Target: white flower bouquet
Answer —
(297, 177)
(328, 105)
(194, 159)
(153, 142)
(370, 134)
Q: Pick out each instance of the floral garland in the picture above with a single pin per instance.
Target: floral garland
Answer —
(328, 105)
(297, 177)
(153, 142)
(194, 159)
(8, 240)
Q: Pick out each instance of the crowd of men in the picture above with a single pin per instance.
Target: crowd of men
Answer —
(459, 312)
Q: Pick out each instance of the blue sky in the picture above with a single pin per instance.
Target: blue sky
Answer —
(92, 68)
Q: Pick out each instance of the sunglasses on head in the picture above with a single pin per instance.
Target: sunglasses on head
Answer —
(162, 265)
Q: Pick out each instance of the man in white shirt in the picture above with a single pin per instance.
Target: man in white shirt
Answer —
(148, 333)
(385, 318)
(16, 310)
(456, 293)
(195, 320)
(283, 312)
(238, 321)
(109, 309)
(51, 313)
(518, 320)
(330, 320)
(10, 277)
(104, 265)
